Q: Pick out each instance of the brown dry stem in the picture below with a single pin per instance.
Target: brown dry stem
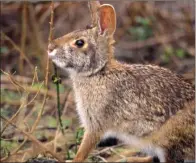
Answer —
(23, 37)
(33, 139)
(42, 107)
(18, 49)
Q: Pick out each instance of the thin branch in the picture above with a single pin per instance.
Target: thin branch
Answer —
(12, 118)
(35, 95)
(55, 68)
(22, 105)
(15, 83)
(10, 102)
(39, 114)
(47, 13)
(46, 93)
(51, 22)
(58, 98)
(19, 79)
(33, 139)
(44, 100)
(37, 36)
(23, 38)
(17, 48)
(112, 150)
(50, 93)
(35, 77)
(102, 159)
(107, 149)
(15, 151)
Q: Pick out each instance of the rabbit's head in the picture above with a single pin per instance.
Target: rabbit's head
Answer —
(86, 51)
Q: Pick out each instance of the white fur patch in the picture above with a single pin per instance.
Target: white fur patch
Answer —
(58, 63)
(80, 110)
(52, 54)
(137, 142)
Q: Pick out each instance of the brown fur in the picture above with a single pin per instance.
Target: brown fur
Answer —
(131, 100)
(177, 135)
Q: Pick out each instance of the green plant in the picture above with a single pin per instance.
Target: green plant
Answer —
(79, 135)
(143, 30)
(7, 146)
(52, 121)
(66, 122)
(70, 154)
(4, 50)
(170, 52)
(9, 95)
(180, 53)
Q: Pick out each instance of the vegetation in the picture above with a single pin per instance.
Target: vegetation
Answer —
(38, 116)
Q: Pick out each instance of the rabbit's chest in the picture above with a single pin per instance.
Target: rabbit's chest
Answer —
(90, 101)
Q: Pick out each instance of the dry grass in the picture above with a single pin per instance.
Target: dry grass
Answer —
(28, 100)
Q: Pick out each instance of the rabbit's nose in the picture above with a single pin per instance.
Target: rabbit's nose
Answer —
(51, 46)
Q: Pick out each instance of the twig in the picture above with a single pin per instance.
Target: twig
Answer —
(40, 112)
(102, 159)
(23, 38)
(55, 68)
(44, 100)
(15, 83)
(19, 79)
(58, 99)
(47, 13)
(45, 95)
(22, 106)
(33, 139)
(101, 151)
(15, 151)
(35, 76)
(34, 96)
(30, 89)
(111, 149)
(10, 102)
(37, 35)
(17, 48)
(24, 101)
(12, 118)
(51, 22)
(107, 149)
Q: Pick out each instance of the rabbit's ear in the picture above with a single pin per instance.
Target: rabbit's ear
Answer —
(107, 19)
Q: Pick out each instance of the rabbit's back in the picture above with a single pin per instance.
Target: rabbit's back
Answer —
(138, 98)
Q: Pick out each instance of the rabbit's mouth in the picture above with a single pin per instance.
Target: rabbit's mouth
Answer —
(52, 54)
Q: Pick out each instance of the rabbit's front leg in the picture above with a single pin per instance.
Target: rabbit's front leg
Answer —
(89, 142)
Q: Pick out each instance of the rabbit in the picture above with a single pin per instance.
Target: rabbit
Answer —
(130, 102)
(177, 135)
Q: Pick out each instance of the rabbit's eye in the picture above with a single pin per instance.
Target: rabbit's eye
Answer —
(79, 43)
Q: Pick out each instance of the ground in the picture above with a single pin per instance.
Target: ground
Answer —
(160, 33)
